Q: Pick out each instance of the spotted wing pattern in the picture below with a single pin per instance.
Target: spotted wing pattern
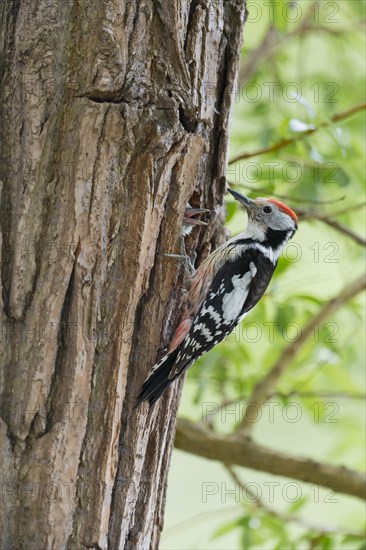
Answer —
(235, 290)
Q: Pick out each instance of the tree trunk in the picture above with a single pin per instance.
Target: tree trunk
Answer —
(114, 114)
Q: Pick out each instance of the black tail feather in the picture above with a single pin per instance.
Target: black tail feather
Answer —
(159, 381)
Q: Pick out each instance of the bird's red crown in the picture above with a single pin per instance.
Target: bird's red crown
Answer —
(284, 208)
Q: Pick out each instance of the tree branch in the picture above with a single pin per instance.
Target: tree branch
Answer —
(310, 214)
(265, 387)
(283, 143)
(236, 449)
(343, 229)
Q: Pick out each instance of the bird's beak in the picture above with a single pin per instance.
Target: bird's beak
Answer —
(191, 212)
(248, 203)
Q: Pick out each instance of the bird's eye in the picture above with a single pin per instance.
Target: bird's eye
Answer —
(267, 209)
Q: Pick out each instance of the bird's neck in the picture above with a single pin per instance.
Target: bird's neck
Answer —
(256, 232)
(271, 238)
(277, 239)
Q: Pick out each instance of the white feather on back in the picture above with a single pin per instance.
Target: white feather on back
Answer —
(233, 302)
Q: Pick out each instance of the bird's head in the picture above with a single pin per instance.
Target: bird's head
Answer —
(268, 215)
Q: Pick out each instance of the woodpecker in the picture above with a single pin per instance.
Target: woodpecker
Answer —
(226, 286)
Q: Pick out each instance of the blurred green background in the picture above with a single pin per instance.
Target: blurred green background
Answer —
(302, 63)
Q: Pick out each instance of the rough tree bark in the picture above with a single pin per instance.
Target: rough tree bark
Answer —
(114, 114)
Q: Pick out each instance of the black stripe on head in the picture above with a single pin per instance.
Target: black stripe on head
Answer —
(275, 238)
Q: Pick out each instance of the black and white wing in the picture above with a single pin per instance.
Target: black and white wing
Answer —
(235, 290)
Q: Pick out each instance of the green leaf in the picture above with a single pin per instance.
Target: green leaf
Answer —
(245, 537)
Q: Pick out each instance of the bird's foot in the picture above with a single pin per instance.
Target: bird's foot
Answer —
(189, 262)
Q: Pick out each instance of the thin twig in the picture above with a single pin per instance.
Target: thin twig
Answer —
(283, 143)
(309, 214)
(321, 395)
(285, 197)
(327, 219)
(295, 393)
(171, 530)
(258, 503)
(346, 231)
(222, 406)
(330, 30)
(270, 42)
(312, 215)
(265, 387)
(266, 47)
